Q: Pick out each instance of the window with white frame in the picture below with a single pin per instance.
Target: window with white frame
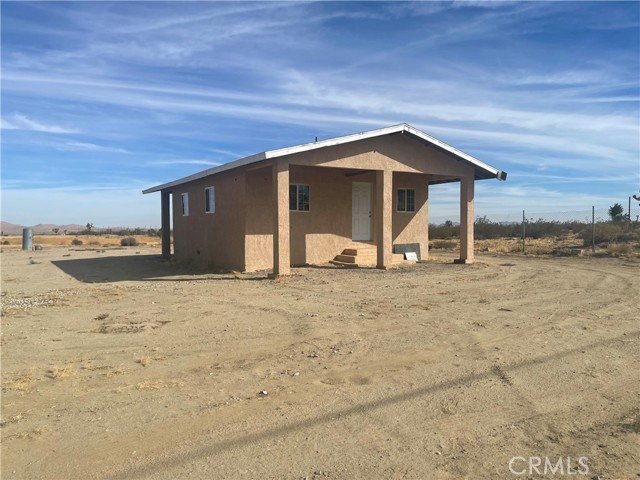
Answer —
(406, 200)
(210, 200)
(184, 199)
(299, 198)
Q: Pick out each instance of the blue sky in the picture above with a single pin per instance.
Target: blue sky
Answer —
(101, 99)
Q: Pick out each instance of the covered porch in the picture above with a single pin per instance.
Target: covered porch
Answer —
(367, 211)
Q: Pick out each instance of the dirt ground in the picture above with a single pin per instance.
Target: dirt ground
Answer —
(117, 364)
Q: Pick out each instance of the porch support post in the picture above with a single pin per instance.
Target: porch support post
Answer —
(165, 206)
(466, 219)
(424, 253)
(281, 243)
(384, 209)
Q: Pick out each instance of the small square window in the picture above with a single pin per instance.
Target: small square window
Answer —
(406, 200)
(184, 200)
(411, 200)
(299, 198)
(402, 200)
(293, 197)
(210, 200)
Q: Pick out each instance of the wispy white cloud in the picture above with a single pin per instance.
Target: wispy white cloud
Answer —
(219, 11)
(564, 179)
(618, 99)
(472, 122)
(22, 122)
(170, 37)
(183, 162)
(558, 78)
(229, 153)
(72, 146)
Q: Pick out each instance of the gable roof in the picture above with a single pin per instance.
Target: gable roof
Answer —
(483, 170)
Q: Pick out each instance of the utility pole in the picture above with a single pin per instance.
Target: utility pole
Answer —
(593, 228)
(523, 230)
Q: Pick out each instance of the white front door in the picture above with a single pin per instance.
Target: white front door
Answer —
(361, 211)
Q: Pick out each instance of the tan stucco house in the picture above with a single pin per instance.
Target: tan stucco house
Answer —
(308, 203)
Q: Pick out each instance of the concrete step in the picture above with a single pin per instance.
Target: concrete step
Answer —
(346, 258)
(364, 258)
(368, 250)
(397, 258)
(363, 254)
(343, 264)
(356, 260)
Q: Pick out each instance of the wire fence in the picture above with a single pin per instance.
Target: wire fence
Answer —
(592, 227)
(532, 215)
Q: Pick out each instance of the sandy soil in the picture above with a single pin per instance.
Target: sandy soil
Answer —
(88, 241)
(118, 364)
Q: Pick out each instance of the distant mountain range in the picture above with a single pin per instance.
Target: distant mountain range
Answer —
(42, 228)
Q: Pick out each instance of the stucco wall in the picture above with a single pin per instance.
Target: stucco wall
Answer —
(259, 219)
(391, 152)
(213, 238)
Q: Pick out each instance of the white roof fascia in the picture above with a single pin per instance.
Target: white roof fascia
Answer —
(321, 144)
(335, 141)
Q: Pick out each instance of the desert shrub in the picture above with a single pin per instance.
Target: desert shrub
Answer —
(444, 244)
(127, 232)
(76, 241)
(129, 242)
(607, 232)
(630, 236)
(444, 231)
(620, 248)
(485, 229)
(544, 228)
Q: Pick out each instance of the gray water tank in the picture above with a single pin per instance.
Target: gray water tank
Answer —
(27, 238)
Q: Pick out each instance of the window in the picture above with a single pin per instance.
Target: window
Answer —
(184, 198)
(299, 198)
(210, 200)
(406, 200)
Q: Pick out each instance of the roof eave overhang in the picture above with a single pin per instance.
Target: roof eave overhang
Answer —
(211, 171)
(482, 170)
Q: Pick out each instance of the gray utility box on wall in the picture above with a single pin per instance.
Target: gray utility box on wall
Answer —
(407, 247)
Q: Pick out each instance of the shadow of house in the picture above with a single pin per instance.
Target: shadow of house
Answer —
(143, 268)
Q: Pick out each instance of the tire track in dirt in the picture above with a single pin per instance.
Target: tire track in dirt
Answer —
(194, 453)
